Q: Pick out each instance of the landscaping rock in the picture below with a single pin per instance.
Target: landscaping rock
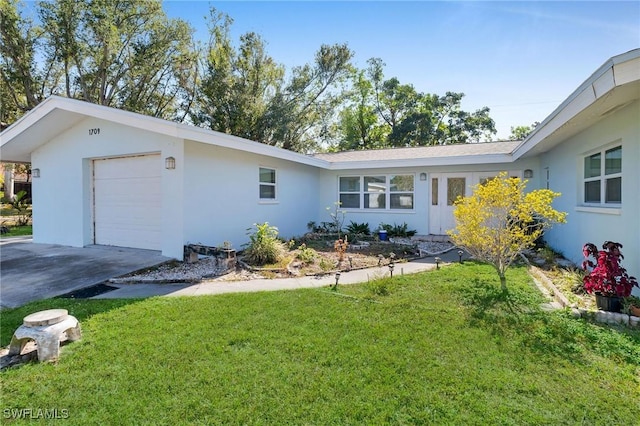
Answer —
(561, 261)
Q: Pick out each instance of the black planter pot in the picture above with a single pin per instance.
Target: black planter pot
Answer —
(609, 303)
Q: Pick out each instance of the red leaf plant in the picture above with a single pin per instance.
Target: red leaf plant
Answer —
(607, 276)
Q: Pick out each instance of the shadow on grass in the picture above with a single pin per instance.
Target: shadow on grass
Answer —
(515, 316)
(82, 309)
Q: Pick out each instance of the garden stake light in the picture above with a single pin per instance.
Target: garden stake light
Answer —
(335, 287)
(391, 269)
(350, 262)
(460, 253)
(438, 260)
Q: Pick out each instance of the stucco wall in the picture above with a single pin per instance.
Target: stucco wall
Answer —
(222, 198)
(418, 218)
(621, 224)
(62, 196)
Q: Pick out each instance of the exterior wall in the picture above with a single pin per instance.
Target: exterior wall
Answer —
(222, 195)
(418, 218)
(597, 225)
(62, 195)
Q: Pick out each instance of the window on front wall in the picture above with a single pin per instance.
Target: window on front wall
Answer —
(380, 192)
(267, 184)
(401, 192)
(603, 177)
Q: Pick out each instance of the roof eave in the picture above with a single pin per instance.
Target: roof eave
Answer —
(422, 162)
(151, 124)
(615, 72)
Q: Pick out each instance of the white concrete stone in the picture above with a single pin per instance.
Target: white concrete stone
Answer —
(48, 317)
(46, 328)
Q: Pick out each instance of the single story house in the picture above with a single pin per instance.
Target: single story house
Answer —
(107, 176)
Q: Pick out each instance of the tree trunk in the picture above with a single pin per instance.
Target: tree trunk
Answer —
(8, 181)
(503, 282)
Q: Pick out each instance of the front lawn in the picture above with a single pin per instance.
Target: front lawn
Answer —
(441, 347)
(17, 231)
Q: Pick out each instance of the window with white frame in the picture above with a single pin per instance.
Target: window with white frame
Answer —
(602, 179)
(401, 192)
(379, 192)
(267, 184)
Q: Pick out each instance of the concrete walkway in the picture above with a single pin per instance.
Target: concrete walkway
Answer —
(219, 287)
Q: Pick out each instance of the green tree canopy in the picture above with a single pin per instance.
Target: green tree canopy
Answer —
(126, 55)
(130, 55)
(386, 113)
(244, 92)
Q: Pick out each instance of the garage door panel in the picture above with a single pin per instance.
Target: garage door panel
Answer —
(127, 202)
(129, 167)
(142, 187)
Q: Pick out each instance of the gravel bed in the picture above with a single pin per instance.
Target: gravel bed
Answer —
(208, 269)
(177, 272)
(425, 247)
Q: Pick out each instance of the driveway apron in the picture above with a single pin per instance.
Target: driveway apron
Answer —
(30, 271)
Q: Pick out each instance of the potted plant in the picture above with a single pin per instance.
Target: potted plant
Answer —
(631, 306)
(607, 279)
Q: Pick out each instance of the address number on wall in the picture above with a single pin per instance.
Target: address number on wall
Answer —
(94, 131)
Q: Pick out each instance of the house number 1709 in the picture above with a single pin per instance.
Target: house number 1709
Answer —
(94, 131)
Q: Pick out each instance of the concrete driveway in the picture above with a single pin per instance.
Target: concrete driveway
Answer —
(30, 271)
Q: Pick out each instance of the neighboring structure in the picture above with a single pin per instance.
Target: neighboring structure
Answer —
(107, 176)
(13, 183)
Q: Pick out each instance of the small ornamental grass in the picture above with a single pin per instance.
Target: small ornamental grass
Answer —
(264, 247)
(441, 347)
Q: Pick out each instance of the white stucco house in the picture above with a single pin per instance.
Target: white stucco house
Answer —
(107, 176)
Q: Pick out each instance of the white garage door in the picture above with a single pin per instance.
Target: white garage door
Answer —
(127, 202)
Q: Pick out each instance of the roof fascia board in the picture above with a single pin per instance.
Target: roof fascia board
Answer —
(155, 125)
(28, 119)
(224, 140)
(601, 82)
(423, 162)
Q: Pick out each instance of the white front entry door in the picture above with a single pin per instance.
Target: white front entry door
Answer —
(127, 201)
(445, 189)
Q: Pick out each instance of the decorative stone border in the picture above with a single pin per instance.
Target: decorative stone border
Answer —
(598, 316)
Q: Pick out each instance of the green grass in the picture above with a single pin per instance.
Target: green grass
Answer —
(16, 231)
(442, 347)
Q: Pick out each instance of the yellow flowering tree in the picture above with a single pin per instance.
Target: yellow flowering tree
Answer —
(499, 220)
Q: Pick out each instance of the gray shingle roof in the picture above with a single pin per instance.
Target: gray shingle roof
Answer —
(461, 150)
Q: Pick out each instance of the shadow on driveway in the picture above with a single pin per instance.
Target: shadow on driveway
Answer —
(30, 271)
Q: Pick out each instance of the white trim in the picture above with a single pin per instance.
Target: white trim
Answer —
(601, 178)
(152, 124)
(273, 200)
(600, 210)
(615, 72)
(387, 192)
(422, 162)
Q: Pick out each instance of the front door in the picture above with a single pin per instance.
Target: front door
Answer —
(445, 189)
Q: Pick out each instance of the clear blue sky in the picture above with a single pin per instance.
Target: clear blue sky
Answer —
(521, 59)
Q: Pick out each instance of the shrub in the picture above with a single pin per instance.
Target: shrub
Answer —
(22, 205)
(341, 246)
(398, 230)
(607, 277)
(499, 220)
(306, 254)
(264, 246)
(355, 228)
(326, 265)
(337, 218)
